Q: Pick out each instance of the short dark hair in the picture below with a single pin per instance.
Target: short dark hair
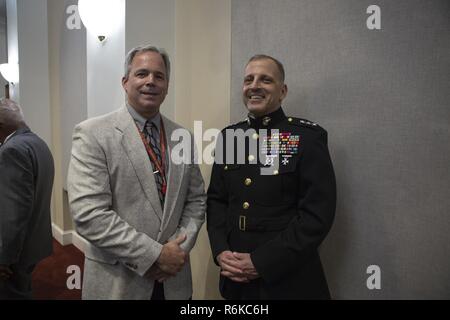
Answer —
(263, 57)
(10, 112)
(141, 49)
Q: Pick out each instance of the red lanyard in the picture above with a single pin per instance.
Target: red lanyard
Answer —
(159, 165)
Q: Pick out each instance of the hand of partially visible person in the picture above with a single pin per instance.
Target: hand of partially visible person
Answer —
(230, 267)
(157, 274)
(172, 257)
(5, 272)
(245, 263)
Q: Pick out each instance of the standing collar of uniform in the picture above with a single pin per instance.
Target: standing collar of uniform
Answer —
(20, 130)
(140, 120)
(268, 120)
(9, 137)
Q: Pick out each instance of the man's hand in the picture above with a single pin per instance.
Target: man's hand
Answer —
(230, 267)
(157, 274)
(5, 272)
(246, 265)
(172, 257)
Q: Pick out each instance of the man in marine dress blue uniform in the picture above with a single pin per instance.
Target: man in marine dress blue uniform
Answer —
(267, 215)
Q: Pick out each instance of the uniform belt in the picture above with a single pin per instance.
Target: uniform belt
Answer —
(246, 223)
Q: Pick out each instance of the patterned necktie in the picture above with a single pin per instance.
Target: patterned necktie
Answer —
(151, 132)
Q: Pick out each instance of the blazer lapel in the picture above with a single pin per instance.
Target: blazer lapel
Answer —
(175, 175)
(135, 150)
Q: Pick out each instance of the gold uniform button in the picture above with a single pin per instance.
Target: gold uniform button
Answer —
(275, 172)
(226, 168)
(251, 158)
(290, 119)
(246, 205)
(248, 182)
(255, 136)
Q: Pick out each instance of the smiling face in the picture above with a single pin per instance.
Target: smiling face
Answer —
(147, 83)
(263, 88)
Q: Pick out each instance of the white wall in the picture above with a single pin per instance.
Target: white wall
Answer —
(13, 43)
(104, 70)
(72, 80)
(67, 65)
(153, 22)
(27, 31)
(32, 30)
(3, 50)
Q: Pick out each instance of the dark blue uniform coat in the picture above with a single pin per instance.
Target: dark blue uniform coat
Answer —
(279, 217)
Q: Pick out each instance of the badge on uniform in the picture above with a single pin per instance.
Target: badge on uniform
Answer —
(270, 159)
(289, 143)
(282, 143)
(285, 160)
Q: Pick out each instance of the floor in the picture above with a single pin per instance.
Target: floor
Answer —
(51, 275)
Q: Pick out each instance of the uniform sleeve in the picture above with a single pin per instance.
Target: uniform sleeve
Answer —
(16, 201)
(217, 207)
(316, 209)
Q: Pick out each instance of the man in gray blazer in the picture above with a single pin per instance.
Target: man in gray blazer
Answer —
(139, 210)
(26, 181)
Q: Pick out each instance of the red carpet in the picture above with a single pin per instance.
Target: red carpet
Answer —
(50, 275)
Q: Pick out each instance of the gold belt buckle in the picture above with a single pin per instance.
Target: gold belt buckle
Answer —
(242, 223)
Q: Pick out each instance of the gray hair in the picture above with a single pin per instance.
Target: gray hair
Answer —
(263, 57)
(10, 113)
(133, 52)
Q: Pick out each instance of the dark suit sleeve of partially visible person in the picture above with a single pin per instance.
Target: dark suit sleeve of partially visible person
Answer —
(16, 202)
(217, 206)
(316, 209)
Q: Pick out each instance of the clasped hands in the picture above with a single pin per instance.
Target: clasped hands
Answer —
(237, 266)
(170, 261)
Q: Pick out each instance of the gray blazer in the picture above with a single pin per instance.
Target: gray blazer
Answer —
(115, 205)
(26, 181)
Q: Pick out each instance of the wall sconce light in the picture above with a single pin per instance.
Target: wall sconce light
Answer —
(100, 17)
(10, 71)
